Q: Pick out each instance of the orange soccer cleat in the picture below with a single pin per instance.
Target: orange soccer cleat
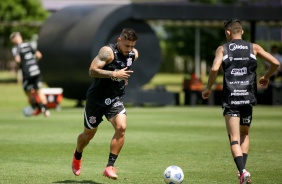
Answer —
(76, 166)
(110, 172)
(245, 178)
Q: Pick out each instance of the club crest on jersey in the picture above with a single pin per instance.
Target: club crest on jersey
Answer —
(92, 120)
(129, 61)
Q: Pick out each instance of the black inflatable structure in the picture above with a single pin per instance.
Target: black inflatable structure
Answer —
(72, 37)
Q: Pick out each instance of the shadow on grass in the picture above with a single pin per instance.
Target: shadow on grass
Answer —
(74, 181)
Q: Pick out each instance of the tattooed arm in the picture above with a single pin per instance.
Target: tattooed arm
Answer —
(106, 56)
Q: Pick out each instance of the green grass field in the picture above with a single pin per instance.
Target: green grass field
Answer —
(39, 150)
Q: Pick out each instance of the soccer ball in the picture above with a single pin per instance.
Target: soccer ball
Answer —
(28, 111)
(173, 175)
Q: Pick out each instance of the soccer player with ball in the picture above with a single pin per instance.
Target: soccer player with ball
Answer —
(238, 60)
(110, 70)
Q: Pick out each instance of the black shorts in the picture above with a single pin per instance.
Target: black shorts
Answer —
(32, 83)
(244, 112)
(93, 113)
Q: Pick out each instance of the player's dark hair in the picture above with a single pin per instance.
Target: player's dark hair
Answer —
(233, 24)
(230, 22)
(129, 34)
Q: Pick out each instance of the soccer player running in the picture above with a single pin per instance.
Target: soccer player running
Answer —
(238, 60)
(26, 57)
(110, 70)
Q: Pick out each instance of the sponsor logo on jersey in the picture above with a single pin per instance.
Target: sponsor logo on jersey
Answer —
(237, 92)
(117, 104)
(241, 59)
(37, 72)
(241, 102)
(31, 62)
(242, 83)
(108, 101)
(233, 47)
(238, 59)
(23, 50)
(33, 68)
(28, 56)
(122, 64)
(239, 71)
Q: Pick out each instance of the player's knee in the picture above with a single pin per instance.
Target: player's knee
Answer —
(121, 128)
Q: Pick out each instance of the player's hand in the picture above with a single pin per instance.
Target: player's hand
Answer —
(263, 82)
(206, 93)
(123, 74)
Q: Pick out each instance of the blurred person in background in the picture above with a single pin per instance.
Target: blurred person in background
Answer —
(27, 59)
